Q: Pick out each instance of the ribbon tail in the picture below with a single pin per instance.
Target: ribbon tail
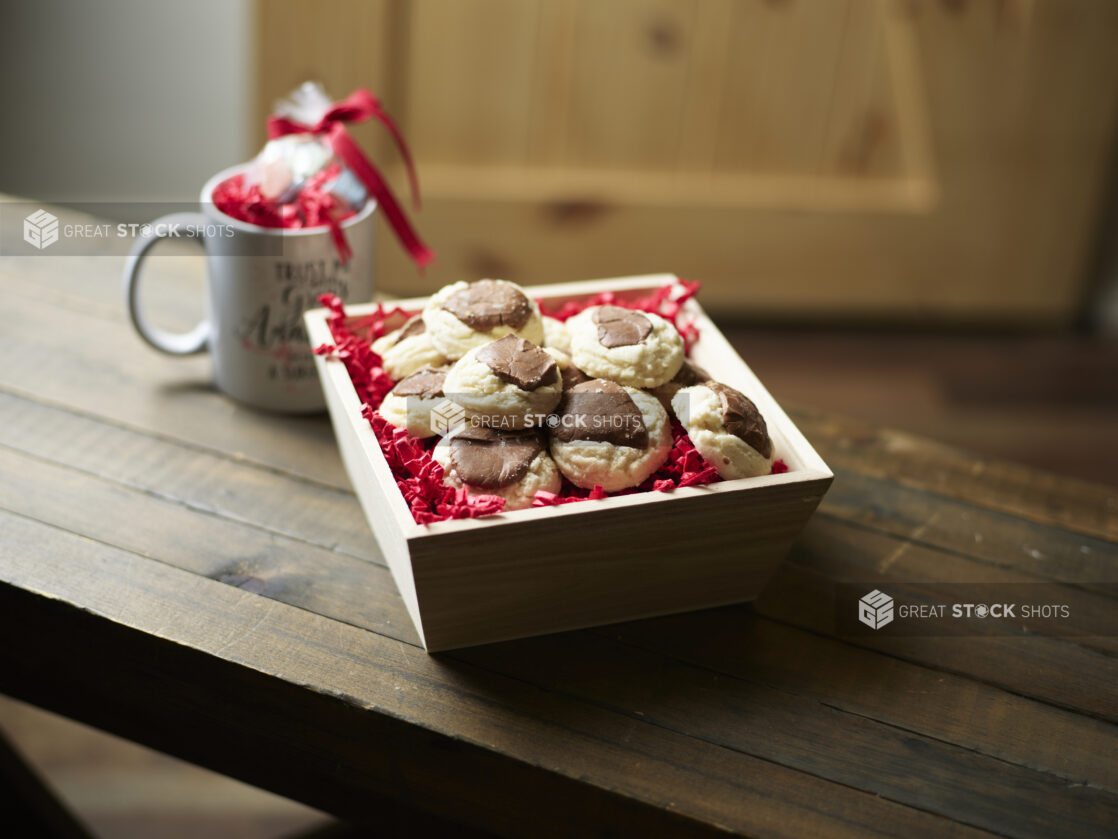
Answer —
(413, 178)
(345, 252)
(351, 153)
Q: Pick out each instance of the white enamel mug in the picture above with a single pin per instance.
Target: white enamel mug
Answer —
(260, 280)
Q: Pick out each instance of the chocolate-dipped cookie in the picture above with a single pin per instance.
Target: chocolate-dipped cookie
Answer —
(408, 405)
(689, 374)
(509, 383)
(608, 435)
(555, 335)
(463, 316)
(726, 428)
(570, 374)
(513, 465)
(408, 349)
(634, 348)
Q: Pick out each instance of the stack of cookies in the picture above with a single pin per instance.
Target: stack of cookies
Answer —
(534, 400)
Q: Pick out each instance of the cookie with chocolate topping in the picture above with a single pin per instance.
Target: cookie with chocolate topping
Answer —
(570, 374)
(555, 335)
(408, 405)
(408, 349)
(634, 348)
(463, 316)
(514, 465)
(726, 428)
(608, 435)
(509, 383)
(689, 374)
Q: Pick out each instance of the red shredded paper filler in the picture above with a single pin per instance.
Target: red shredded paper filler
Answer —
(315, 206)
(420, 478)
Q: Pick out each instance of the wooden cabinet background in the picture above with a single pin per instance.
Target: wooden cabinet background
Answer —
(911, 159)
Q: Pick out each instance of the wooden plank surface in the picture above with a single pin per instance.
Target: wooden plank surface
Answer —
(423, 720)
(200, 579)
(1087, 508)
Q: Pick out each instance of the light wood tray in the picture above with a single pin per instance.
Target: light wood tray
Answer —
(546, 569)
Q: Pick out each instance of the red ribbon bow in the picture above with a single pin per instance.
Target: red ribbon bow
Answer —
(358, 107)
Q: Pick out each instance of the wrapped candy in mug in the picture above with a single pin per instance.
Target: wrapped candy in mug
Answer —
(294, 223)
(311, 172)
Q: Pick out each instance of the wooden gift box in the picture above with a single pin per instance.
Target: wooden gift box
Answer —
(546, 569)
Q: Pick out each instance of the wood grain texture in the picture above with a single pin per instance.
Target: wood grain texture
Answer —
(386, 717)
(295, 42)
(200, 578)
(1081, 506)
(112, 375)
(1043, 400)
(341, 588)
(905, 160)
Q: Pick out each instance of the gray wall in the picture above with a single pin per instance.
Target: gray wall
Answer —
(121, 100)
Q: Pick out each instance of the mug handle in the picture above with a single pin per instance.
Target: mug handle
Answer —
(172, 343)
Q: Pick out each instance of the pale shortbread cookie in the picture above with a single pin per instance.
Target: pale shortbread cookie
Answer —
(555, 335)
(542, 475)
(562, 358)
(650, 358)
(412, 413)
(496, 402)
(570, 374)
(719, 430)
(408, 349)
(454, 337)
(589, 463)
(409, 404)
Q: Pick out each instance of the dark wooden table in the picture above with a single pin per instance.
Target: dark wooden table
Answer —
(197, 577)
